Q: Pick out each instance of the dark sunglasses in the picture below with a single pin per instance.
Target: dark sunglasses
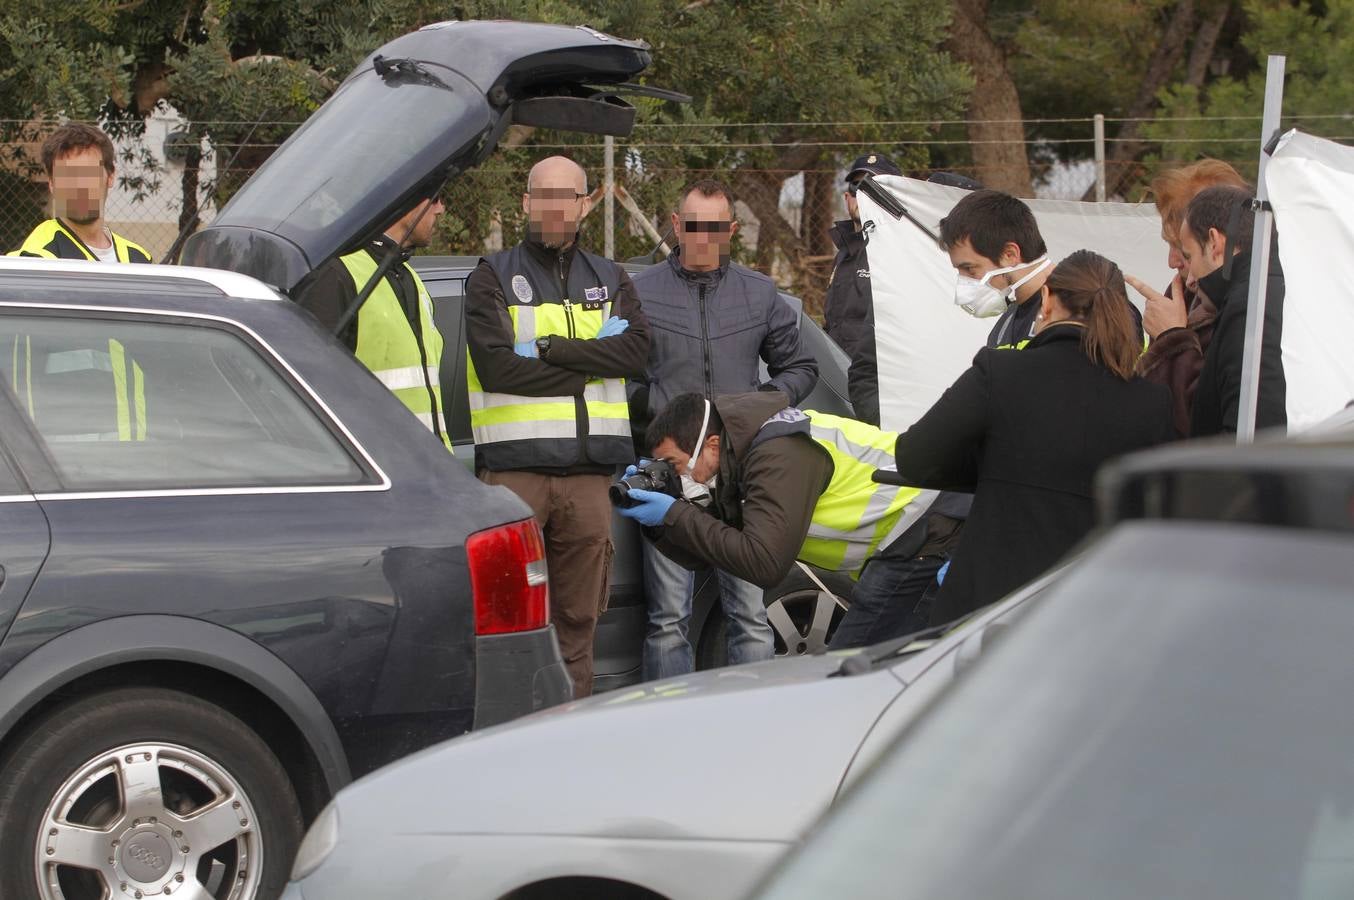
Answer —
(693, 226)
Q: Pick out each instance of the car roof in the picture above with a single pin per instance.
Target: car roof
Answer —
(230, 284)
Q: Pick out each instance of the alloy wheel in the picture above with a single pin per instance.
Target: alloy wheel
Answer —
(149, 820)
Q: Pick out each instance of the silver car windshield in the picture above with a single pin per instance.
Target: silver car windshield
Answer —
(1173, 720)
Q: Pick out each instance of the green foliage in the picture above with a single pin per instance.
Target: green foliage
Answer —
(1319, 47)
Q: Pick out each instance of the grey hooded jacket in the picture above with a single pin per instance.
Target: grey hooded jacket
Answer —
(707, 331)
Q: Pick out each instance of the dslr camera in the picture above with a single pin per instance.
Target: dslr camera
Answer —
(650, 475)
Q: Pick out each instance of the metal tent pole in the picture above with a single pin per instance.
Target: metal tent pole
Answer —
(1260, 248)
(609, 199)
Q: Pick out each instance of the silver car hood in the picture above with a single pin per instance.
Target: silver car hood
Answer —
(747, 753)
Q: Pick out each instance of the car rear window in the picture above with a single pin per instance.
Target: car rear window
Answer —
(140, 405)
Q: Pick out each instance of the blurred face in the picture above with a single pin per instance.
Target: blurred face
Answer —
(555, 202)
(705, 229)
(423, 219)
(79, 186)
(706, 467)
(1201, 259)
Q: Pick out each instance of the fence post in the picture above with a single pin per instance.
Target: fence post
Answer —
(609, 198)
(1099, 158)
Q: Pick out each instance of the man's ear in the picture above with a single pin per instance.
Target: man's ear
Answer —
(1217, 246)
(1010, 255)
(713, 442)
(733, 228)
(526, 204)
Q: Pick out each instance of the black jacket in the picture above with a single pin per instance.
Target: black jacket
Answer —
(707, 331)
(329, 291)
(1025, 431)
(847, 305)
(770, 479)
(1217, 394)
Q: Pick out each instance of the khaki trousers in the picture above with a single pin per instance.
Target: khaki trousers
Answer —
(575, 514)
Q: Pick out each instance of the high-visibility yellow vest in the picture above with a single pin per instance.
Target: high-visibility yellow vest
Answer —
(514, 431)
(128, 384)
(855, 516)
(53, 240)
(387, 345)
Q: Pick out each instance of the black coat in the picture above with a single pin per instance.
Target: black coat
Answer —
(1217, 395)
(849, 299)
(1025, 431)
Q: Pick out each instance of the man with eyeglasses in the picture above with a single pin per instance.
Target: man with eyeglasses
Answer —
(552, 332)
(711, 320)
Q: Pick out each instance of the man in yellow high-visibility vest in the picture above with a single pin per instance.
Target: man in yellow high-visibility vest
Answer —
(785, 485)
(78, 159)
(552, 332)
(393, 334)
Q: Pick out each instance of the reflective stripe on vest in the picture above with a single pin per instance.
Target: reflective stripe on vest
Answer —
(855, 515)
(545, 431)
(387, 345)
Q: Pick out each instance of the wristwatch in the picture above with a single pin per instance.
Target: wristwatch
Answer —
(542, 346)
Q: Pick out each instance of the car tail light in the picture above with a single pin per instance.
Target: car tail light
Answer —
(508, 578)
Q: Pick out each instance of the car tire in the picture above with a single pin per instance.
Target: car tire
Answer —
(115, 789)
(802, 621)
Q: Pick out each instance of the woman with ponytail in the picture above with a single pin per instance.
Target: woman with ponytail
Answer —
(1025, 431)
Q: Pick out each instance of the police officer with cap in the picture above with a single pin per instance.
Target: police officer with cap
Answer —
(848, 299)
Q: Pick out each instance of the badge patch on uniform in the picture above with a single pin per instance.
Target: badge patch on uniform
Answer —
(595, 295)
(522, 288)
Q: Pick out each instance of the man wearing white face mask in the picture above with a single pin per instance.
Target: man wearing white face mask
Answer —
(711, 320)
(790, 485)
(995, 245)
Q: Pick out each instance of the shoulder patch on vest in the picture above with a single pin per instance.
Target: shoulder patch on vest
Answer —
(522, 288)
(788, 415)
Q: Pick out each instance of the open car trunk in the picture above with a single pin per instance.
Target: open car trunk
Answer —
(419, 110)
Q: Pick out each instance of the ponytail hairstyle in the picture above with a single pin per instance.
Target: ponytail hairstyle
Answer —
(1091, 289)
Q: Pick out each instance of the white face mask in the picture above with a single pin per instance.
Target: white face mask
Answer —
(693, 490)
(979, 299)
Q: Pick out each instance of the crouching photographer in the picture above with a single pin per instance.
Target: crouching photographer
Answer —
(760, 484)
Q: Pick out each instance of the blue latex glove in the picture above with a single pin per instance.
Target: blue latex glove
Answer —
(526, 348)
(651, 509)
(942, 572)
(613, 326)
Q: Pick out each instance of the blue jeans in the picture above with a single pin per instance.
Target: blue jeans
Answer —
(668, 590)
(892, 598)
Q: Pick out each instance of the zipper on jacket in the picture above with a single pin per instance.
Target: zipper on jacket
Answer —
(705, 345)
(564, 292)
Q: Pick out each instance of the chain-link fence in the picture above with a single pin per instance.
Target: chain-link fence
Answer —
(785, 213)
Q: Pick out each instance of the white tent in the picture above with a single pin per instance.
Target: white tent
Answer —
(924, 340)
(1311, 187)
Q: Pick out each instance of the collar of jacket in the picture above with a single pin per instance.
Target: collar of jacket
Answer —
(846, 237)
(1217, 286)
(551, 256)
(382, 244)
(710, 277)
(1058, 331)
